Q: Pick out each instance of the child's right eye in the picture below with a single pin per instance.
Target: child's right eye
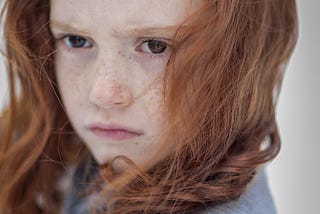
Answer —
(74, 41)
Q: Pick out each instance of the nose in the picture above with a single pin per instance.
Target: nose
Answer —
(108, 92)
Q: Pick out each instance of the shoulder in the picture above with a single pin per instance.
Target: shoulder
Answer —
(256, 200)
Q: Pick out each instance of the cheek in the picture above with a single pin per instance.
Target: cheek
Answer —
(155, 108)
(70, 85)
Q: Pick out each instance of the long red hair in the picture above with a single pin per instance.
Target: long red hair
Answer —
(220, 88)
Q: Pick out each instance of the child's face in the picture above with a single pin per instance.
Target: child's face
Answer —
(109, 63)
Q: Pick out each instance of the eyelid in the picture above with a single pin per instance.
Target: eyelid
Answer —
(144, 39)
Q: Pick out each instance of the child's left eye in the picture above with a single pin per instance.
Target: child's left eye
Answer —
(154, 46)
(74, 41)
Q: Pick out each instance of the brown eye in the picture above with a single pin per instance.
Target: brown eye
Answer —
(154, 46)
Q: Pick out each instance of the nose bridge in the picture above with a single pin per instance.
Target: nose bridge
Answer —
(108, 88)
(109, 62)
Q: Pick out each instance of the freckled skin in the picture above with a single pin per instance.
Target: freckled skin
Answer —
(111, 82)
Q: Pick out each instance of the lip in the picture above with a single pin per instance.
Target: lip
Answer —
(113, 131)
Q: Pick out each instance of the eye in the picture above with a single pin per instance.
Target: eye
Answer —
(74, 41)
(154, 46)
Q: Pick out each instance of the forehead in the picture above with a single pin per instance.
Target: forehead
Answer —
(100, 14)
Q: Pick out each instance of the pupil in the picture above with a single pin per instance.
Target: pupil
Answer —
(157, 46)
(77, 41)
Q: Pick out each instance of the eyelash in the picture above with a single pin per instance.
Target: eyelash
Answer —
(62, 37)
(139, 48)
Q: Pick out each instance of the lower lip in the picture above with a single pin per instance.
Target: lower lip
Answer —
(114, 134)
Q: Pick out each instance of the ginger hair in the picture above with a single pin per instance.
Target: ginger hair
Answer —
(220, 85)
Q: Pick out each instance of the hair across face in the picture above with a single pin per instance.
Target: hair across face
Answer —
(204, 88)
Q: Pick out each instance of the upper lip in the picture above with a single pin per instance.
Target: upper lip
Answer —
(113, 126)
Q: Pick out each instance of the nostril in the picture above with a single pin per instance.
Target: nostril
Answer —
(125, 98)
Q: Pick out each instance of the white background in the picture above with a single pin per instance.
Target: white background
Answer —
(295, 173)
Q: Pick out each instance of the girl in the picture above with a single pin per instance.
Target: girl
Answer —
(142, 106)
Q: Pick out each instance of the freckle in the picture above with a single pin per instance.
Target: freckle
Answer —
(119, 52)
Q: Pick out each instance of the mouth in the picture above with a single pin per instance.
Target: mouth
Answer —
(113, 131)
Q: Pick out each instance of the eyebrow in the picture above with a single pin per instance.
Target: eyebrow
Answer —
(68, 27)
(148, 31)
(159, 31)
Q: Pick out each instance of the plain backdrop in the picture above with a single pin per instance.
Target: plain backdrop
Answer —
(294, 175)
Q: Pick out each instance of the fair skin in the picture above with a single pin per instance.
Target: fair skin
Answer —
(109, 63)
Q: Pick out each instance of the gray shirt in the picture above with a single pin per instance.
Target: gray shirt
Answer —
(255, 200)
